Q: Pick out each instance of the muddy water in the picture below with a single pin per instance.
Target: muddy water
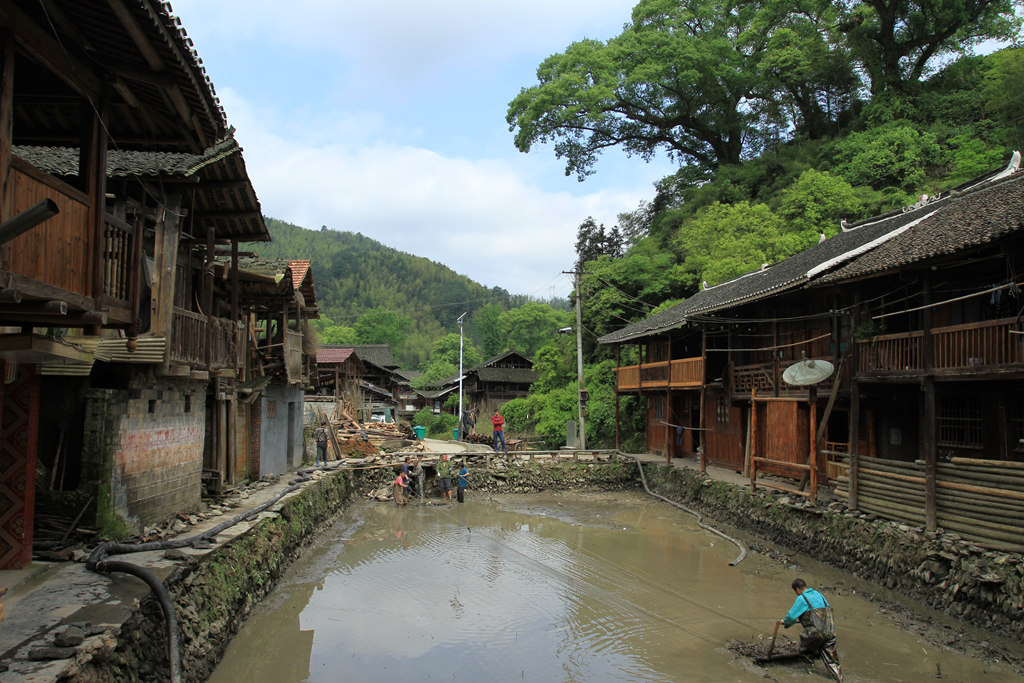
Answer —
(598, 587)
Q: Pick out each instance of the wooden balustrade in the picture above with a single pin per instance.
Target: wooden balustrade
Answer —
(117, 258)
(746, 378)
(687, 372)
(969, 347)
(654, 375)
(189, 340)
(628, 377)
(989, 343)
(683, 372)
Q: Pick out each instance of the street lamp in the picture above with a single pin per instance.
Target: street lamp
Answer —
(459, 321)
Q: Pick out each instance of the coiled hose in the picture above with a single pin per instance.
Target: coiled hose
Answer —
(700, 516)
(98, 562)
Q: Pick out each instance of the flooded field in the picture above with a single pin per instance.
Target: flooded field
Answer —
(580, 587)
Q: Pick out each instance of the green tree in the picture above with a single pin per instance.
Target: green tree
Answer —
(531, 326)
(816, 203)
(897, 41)
(675, 80)
(381, 326)
(897, 154)
(487, 322)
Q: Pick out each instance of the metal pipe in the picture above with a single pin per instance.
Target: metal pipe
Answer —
(27, 219)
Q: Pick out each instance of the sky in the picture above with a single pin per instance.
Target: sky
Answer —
(388, 119)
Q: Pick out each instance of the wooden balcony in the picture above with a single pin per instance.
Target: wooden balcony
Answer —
(189, 341)
(765, 377)
(973, 348)
(682, 373)
(62, 252)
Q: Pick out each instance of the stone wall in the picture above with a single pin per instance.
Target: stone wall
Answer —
(985, 588)
(143, 450)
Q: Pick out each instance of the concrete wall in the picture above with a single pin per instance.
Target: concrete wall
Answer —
(143, 448)
(280, 429)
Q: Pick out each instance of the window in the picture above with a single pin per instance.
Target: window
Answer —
(656, 404)
(722, 411)
(272, 409)
(960, 422)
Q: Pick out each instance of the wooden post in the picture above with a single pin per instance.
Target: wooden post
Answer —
(6, 117)
(703, 448)
(234, 280)
(929, 447)
(853, 463)
(928, 436)
(208, 295)
(618, 427)
(93, 171)
(669, 430)
(812, 454)
(753, 438)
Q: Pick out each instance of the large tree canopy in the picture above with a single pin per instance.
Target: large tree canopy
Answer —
(673, 81)
(897, 41)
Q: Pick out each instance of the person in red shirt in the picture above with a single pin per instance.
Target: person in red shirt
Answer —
(499, 430)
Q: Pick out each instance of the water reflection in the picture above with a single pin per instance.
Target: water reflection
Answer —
(543, 588)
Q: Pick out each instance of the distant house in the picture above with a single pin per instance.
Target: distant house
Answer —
(377, 385)
(918, 314)
(278, 299)
(488, 385)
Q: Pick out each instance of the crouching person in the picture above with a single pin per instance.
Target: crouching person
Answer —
(814, 613)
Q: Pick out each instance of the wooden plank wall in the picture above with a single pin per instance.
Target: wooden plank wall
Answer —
(724, 444)
(982, 500)
(782, 434)
(60, 250)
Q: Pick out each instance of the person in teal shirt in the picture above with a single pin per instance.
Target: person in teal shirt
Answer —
(463, 481)
(814, 613)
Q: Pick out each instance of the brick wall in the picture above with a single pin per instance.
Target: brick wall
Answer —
(144, 447)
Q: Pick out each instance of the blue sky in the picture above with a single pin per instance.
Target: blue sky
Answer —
(388, 119)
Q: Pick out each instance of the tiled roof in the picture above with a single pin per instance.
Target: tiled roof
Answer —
(333, 355)
(516, 375)
(965, 221)
(224, 197)
(786, 274)
(972, 214)
(377, 354)
(299, 270)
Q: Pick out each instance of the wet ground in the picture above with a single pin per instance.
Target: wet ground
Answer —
(568, 587)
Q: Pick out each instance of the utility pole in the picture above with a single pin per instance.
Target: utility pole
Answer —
(582, 397)
(459, 321)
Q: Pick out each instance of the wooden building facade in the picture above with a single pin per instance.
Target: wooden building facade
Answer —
(918, 312)
(120, 185)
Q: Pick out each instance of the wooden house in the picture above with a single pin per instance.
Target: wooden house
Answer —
(277, 299)
(498, 380)
(376, 387)
(119, 183)
(917, 312)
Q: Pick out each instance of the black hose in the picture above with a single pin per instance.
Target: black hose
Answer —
(698, 515)
(97, 562)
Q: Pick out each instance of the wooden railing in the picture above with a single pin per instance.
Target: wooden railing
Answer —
(189, 341)
(627, 377)
(892, 353)
(990, 343)
(683, 372)
(188, 338)
(970, 347)
(117, 258)
(654, 375)
(293, 355)
(687, 372)
(748, 377)
(60, 251)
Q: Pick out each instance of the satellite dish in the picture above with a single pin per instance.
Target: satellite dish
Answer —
(808, 371)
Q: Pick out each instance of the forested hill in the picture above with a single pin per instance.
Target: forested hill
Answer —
(355, 275)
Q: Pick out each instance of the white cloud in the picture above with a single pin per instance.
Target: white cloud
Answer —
(481, 218)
